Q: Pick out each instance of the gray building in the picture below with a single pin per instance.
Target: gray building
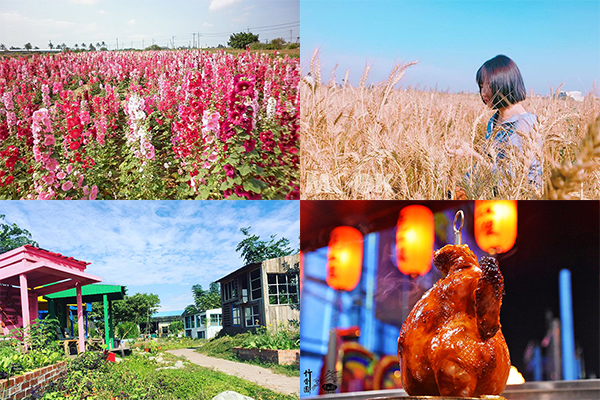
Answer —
(260, 294)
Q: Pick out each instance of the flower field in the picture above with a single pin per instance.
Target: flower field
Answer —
(149, 125)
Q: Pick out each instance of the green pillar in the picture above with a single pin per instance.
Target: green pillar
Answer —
(51, 309)
(112, 325)
(106, 326)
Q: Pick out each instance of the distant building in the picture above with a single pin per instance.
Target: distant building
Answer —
(260, 294)
(160, 322)
(573, 94)
(204, 325)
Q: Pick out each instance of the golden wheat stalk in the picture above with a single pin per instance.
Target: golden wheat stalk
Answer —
(569, 177)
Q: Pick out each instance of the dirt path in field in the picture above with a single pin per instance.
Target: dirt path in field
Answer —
(261, 376)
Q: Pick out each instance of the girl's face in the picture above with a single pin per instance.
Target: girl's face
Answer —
(486, 93)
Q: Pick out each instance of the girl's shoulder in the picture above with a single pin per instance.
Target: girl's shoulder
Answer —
(525, 122)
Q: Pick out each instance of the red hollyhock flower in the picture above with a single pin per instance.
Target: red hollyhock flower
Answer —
(229, 171)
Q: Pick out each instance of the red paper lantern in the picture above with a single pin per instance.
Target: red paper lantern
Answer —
(415, 236)
(344, 258)
(495, 225)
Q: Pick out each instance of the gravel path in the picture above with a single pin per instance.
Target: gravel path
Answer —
(261, 376)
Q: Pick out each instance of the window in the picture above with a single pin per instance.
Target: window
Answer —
(229, 291)
(245, 289)
(236, 317)
(216, 320)
(188, 333)
(283, 289)
(201, 320)
(251, 316)
(201, 335)
(189, 322)
(255, 284)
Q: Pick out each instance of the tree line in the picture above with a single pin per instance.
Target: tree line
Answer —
(241, 40)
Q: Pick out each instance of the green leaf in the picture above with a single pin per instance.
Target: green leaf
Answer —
(228, 184)
(204, 193)
(255, 185)
(245, 169)
(235, 197)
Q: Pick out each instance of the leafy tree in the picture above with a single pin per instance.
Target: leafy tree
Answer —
(175, 327)
(92, 48)
(255, 250)
(242, 40)
(205, 299)
(2, 46)
(137, 309)
(276, 44)
(153, 47)
(83, 46)
(76, 46)
(28, 46)
(50, 45)
(11, 236)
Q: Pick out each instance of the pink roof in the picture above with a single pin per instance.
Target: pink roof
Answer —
(42, 268)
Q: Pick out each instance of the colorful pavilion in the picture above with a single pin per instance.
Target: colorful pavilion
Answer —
(59, 302)
(28, 272)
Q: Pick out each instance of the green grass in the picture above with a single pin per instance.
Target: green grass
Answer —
(136, 378)
(180, 343)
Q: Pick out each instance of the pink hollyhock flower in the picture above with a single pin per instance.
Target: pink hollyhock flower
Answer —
(206, 165)
(49, 141)
(11, 118)
(213, 157)
(61, 175)
(94, 192)
(52, 164)
(68, 185)
(44, 196)
(150, 154)
(209, 139)
(69, 168)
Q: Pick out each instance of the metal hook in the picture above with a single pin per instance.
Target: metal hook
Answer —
(457, 234)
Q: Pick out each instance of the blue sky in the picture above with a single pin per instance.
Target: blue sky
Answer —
(137, 22)
(161, 247)
(552, 42)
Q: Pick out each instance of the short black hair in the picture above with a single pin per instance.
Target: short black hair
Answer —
(505, 80)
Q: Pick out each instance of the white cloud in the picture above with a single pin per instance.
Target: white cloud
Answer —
(131, 22)
(102, 12)
(153, 243)
(207, 24)
(85, 2)
(219, 4)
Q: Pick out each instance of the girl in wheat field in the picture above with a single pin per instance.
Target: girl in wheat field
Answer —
(501, 88)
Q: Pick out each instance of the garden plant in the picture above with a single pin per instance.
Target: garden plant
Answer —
(148, 125)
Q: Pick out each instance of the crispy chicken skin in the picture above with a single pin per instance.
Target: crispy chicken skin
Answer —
(451, 343)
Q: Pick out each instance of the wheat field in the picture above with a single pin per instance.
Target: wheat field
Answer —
(379, 142)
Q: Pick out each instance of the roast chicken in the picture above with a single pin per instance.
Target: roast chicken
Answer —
(451, 343)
